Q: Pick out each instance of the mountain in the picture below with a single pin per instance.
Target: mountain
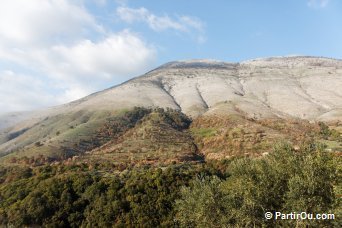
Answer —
(303, 87)
(254, 92)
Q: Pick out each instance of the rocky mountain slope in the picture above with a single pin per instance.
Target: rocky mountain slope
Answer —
(304, 87)
(307, 88)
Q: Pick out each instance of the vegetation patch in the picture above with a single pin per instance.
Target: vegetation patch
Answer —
(227, 193)
(204, 132)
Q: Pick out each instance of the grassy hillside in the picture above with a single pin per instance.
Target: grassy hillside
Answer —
(156, 136)
(63, 136)
(139, 136)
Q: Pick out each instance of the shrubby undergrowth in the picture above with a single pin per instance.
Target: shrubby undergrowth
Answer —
(285, 181)
(228, 193)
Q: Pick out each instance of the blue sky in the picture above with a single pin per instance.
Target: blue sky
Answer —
(55, 51)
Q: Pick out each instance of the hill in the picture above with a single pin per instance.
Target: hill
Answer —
(241, 108)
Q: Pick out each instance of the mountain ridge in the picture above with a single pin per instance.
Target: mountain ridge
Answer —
(303, 88)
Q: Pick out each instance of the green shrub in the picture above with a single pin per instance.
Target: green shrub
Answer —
(285, 181)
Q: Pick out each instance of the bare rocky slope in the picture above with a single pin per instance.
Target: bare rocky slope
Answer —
(280, 87)
(304, 87)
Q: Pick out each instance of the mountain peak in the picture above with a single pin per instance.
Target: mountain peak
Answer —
(196, 63)
(264, 61)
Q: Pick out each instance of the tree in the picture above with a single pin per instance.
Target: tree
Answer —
(201, 205)
(284, 181)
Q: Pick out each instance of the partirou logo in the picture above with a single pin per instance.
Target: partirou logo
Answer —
(299, 215)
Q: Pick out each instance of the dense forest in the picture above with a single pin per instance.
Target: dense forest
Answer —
(234, 192)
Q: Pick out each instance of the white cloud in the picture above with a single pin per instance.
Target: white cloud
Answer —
(62, 41)
(70, 94)
(118, 53)
(88, 65)
(20, 92)
(44, 22)
(318, 3)
(160, 23)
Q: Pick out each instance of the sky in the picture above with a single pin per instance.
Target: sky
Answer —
(56, 51)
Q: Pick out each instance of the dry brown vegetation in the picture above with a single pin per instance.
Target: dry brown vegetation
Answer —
(158, 137)
(219, 137)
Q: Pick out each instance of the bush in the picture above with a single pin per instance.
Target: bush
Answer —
(38, 144)
(285, 181)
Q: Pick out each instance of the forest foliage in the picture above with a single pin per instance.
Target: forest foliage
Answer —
(235, 192)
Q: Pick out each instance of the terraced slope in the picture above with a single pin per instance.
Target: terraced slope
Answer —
(158, 137)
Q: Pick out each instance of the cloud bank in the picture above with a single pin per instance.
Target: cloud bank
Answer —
(54, 51)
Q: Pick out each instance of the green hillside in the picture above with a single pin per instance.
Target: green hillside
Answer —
(158, 136)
